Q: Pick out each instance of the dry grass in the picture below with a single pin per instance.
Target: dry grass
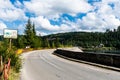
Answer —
(13, 75)
(19, 51)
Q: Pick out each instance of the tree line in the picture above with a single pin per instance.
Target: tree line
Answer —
(30, 39)
(110, 38)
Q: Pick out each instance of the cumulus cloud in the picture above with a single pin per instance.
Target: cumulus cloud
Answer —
(8, 12)
(99, 16)
(43, 24)
(56, 7)
(103, 17)
(91, 22)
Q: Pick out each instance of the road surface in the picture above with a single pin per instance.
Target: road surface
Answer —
(42, 65)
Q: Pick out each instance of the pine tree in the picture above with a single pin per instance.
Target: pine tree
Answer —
(118, 29)
(33, 28)
(53, 44)
(57, 43)
(47, 43)
(37, 39)
(30, 35)
(19, 42)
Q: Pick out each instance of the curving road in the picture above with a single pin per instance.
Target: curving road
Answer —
(42, 65)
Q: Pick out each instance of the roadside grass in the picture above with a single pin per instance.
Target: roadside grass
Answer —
(19, 51)
(13, 75)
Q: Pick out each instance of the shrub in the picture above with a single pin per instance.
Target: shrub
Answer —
(10, 53)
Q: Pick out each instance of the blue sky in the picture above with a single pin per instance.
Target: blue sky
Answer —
(57, 16)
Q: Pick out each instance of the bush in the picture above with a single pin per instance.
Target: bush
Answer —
(15, 61)
(7, 53)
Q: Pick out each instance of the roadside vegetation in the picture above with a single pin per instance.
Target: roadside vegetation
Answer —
(8, 53)
(27, 42)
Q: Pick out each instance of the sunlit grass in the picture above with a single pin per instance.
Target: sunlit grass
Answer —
(19, 51)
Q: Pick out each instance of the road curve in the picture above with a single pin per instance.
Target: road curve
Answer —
(42, 65)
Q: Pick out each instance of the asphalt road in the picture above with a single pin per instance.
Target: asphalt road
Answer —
(42, 65)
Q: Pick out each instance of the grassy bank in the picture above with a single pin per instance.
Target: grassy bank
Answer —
(14, 75)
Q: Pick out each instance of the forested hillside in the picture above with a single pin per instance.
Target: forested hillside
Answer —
(88, 39)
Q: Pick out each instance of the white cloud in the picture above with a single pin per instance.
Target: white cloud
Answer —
(18, 4)
(72, 7)
(91, 22)
(110, 1)
(56, 7)
(52, 9)
(96, 22)
(12, 15)
(99, 16)
(41, 33)
(43, 24)
(6, 4)
(117, 9)
(8, 12)
(105, 17)
(2, 27)
(111, 21)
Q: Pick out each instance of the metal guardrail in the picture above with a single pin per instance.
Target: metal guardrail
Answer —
(100, 58)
